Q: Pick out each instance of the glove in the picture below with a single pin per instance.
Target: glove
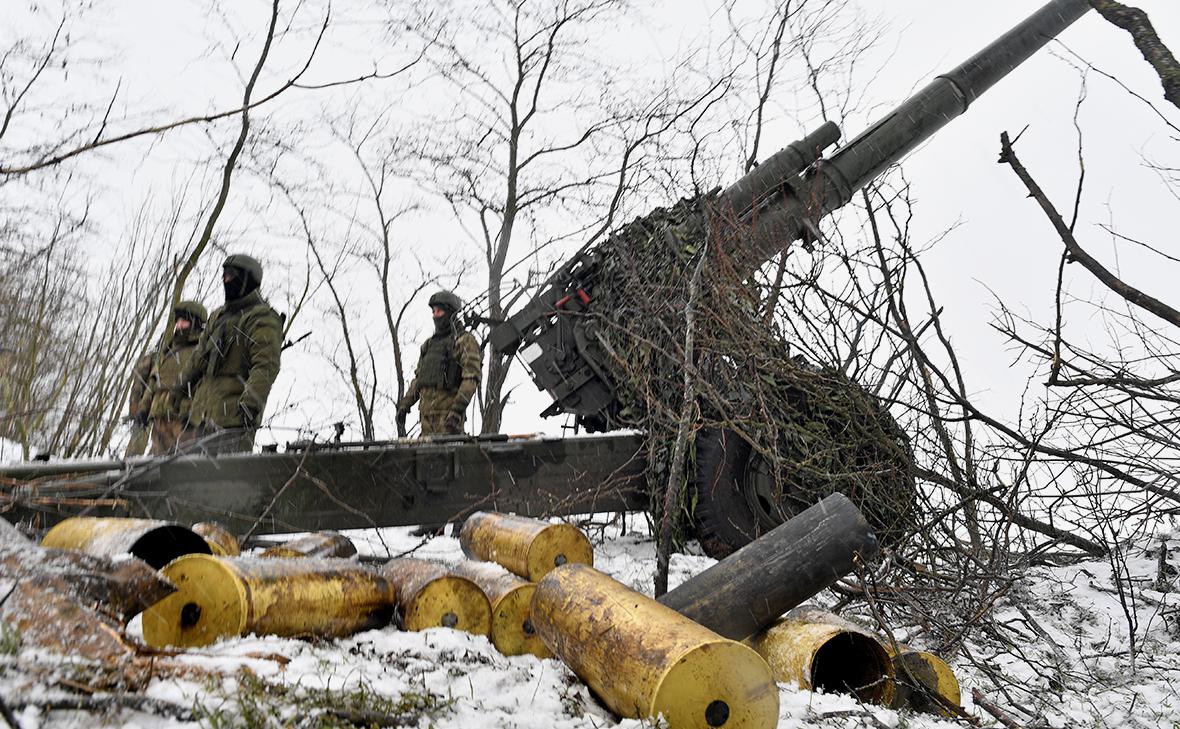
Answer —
(140, 419)
(454, 421)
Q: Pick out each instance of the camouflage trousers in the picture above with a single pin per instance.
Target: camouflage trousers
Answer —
(138, 444)
(434, 407)
(169, 436)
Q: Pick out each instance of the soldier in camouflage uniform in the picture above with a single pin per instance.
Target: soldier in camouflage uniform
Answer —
(138, 443)
(169, 415)
(448, 372)
(235, 362)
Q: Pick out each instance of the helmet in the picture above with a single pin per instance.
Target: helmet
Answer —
(446, 300)
(195, 312)
(249, 264)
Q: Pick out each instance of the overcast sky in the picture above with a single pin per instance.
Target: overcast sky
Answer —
(172, 56)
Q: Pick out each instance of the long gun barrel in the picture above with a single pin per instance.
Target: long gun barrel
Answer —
(830, 184)
(778, 202)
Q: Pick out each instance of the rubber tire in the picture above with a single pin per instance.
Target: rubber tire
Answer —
(723, 519)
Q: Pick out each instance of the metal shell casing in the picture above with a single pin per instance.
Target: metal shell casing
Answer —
(221, 541)
(225, 597)
(155, 542)
(643, 659)
(429, 596)
(318, 544)
(934, 678)
(818, 650)
(511, 599)
(526, 547)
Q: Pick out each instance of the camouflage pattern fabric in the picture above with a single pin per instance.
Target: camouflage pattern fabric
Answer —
(234, 365)
(443, 411)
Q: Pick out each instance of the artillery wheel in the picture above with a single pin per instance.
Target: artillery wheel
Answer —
(736, 497)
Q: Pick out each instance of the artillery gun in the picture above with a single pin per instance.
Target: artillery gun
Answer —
(314, 486)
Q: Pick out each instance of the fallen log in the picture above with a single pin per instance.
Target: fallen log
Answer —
(118, 588)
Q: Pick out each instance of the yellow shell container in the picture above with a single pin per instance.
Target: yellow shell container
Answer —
(526, 547)
(511, 601)
(316, 544)
(818, 650)
(429, 596)
(221, 541)
(644, 659)
(225, 597)
(155, 542)
(925, 683)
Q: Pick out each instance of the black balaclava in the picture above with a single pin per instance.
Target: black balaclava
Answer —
(241, 283)
(445, 324)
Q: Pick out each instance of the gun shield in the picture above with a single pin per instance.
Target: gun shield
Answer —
(643, 659)
(526, 547)
(429, 596)
(511, 598)
(155, 542)
(226, 597)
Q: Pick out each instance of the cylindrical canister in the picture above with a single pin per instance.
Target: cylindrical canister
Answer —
(429, 596)
(316, 544)
(643, 659)
(155, 542)
(511, 600)
(526, 547)
(818, 650)
(778, 571)
(221, 541)
(925, 683)
(223, 597)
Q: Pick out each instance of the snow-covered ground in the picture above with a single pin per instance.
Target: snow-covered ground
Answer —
(441, 678)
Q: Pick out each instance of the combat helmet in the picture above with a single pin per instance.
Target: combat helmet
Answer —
(446, 300)
(195, 311)
(249, 264)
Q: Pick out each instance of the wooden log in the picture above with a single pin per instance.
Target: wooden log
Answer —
(59, 623)
(119, 588)
(748, 590)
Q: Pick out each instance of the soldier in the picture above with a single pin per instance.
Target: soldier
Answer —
(169, 416)
(235, 363)
(137, 416)
(448, 372)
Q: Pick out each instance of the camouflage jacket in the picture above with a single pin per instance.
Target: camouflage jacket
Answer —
(452, 388)
(234, 364)
(160, 399)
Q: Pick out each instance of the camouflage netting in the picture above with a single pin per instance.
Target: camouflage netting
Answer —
(815, 430)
